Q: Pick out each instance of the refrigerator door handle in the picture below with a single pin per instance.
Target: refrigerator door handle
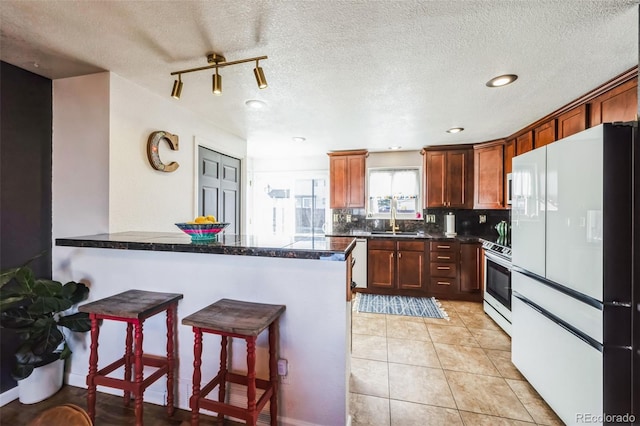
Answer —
(568, 327)
(559, 287)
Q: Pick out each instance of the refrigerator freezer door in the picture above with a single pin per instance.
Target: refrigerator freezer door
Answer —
(527, 211)
(574, 212)
(565, 370)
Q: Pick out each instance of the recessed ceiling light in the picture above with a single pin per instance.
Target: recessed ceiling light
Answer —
(395, 148)
(455, 130)
(255, 104)
(298, 139)
(502, 80)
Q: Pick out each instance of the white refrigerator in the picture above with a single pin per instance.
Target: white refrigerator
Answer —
(575, 222)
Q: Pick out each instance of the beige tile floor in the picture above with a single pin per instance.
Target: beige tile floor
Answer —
(423, 371)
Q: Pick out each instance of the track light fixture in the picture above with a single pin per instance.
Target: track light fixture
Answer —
(218, 61)
(177, 88)
(260, 79)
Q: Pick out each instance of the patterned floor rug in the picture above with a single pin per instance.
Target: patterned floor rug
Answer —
(399, 305)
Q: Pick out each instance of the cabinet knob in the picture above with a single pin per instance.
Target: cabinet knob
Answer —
(444, 257)
(443, 283)
(444, 247)
(444, 267)
(399, 254)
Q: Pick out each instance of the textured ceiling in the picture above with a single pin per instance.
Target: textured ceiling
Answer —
(342, 74)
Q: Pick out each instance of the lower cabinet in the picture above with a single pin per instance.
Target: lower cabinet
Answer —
(396, 265)
(447, 269)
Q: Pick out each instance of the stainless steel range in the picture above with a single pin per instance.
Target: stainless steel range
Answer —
(497, 282)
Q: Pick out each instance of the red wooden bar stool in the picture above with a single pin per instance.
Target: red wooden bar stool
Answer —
(132, 307)
(233, 318)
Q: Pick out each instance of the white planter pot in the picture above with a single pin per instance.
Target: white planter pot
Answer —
(42, 383)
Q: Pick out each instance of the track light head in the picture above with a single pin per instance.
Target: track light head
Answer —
(177, 88)
(217, 83)
(260, 79)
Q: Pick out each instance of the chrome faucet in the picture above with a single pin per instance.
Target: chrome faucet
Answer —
(392, 222)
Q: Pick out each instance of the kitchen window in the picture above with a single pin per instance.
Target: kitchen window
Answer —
(388, 184)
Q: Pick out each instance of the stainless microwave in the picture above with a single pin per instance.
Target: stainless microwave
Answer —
(509, 188)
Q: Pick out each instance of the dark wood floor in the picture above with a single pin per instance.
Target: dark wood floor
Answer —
(109, 411)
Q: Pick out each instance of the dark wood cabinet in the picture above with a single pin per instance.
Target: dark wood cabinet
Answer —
(572, 121)
(448, 177)
(471, 268)
(617, 104)
(443, 268)
(524, 142)
(411, 265)
(396, 265)
(488, 163)
(544, 134)
(381, 264)
(347, 171)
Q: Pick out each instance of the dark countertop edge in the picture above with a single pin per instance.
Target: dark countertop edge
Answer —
(430, 237)
(211, 248)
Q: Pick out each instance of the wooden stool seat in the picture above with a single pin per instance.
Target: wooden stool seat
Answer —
(62, 415)
(132, 307)
(234, 318)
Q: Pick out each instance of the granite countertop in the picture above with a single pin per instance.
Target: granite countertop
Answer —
(416, 236)
(334, 248)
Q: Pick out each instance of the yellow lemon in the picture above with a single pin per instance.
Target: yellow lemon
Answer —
(211, 219)
(200, 219)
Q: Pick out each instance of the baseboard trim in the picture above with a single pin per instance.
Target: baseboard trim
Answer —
(8, 396)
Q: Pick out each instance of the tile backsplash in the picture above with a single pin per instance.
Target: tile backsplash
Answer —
(468, 222)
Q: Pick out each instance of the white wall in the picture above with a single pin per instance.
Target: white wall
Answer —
(81, 155)
(394, 159)
(142, 198)
(102, 181)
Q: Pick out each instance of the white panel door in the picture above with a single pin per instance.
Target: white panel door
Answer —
(574, 212)
(528, 211)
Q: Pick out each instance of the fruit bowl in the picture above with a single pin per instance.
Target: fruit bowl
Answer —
(202, 231)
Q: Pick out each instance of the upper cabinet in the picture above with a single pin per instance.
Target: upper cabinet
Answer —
(448, 177)
(572, 121)
(488, 182)
(524, 142)
(617, 104)
(544, 134)
(347, 171)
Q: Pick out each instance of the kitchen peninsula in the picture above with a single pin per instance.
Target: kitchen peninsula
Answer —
(309, 277)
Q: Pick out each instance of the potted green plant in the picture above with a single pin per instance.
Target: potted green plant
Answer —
(37, 310)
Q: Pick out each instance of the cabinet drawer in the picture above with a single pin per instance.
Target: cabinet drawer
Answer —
(443, 285)
(439, 269)
(443, 246)
(381, 244)
(442, 256)
(411, 245)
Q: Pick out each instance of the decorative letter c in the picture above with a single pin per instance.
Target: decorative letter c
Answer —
(152, 150)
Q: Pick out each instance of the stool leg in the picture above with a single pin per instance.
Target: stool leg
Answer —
(223, 373)
(128, 355)
(251, 380)
(171, 314)
(273, 371)
(93, 368)
(197, 362)
(138, 392)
